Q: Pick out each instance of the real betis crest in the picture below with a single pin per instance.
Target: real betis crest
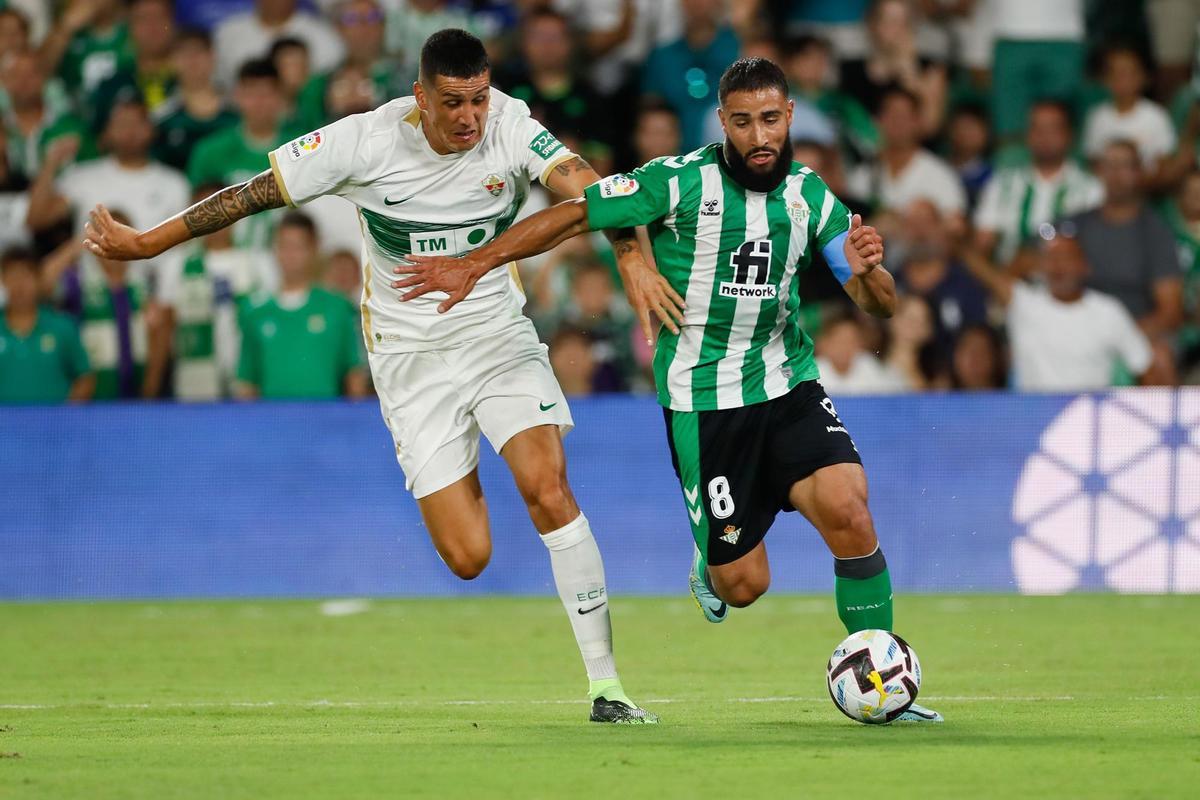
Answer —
(798, 211)
(494, 184)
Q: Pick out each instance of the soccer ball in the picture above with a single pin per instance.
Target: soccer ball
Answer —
(873, 676)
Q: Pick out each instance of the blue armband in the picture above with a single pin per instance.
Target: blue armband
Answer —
(835, 256)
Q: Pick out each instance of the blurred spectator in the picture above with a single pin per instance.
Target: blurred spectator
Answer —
(1173, 25)
(619, 35)
(411, 22)
(543, 77)
(930, 272)
(301, 342)
(1039, 54)
(656, 133)
(32, 119)
(596, 310)
(817, 285)
(14, 32)
(1130, 249)
(126, 333)
(151, 75)
(248, 36)
(216, 289)
(572, 361)
(978, 362)
(1129, 114)
(1066, 337)
(809, 66)
(196, 109)
(892, 61)
(88, 44)
(1018, 200)
(14, 202)
(360, 23)
(912, 352)
(1183, 215)
(906, 171)
(238, 153)
(127, 178)
(349, 91)
(846, 366)
(42, 359)
(290, 58)
(969, 140)
(838, 21)
(685, 73)
(343, 275)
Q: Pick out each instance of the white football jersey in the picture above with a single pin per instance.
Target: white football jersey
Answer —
(410, 199)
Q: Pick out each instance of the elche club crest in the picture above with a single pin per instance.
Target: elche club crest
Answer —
(494, 184)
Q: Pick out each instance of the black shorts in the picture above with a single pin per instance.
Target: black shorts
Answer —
(736, 466)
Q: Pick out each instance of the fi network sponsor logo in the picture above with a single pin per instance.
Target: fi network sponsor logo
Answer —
(1111, 500)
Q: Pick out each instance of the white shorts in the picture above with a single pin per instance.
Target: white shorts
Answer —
(437, 402)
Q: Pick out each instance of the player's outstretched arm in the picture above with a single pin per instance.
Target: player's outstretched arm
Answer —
(108, 238)
(457, 276)
(871, 287)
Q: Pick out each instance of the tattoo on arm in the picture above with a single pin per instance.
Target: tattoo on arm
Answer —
(569, 168)
(624, 244)
(232, 203)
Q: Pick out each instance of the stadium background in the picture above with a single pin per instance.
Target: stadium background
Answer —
(155, 484)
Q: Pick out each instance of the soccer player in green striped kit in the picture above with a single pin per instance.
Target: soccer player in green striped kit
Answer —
(750, 428)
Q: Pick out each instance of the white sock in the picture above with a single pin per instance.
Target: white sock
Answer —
(579, 576)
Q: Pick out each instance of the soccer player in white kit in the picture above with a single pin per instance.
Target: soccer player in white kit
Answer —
(444, 172)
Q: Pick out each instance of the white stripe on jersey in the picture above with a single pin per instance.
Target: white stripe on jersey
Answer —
(774, 353)
(673, 203)
(826, 209)
(745, 315)
(699, 291)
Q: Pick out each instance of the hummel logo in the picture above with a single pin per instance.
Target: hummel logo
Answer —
(693, 504)
(731, 534)
(710, 208)
(388, 202)
(544, 407)
(583, 611)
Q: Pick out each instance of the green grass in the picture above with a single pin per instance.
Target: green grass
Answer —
(1080, 696)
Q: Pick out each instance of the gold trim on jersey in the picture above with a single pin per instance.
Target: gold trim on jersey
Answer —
(564, 158)
(287, 198)
(515, 274)
(413, 117)
(366, 292)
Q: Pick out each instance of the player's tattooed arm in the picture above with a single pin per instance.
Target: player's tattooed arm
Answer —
(108, 238)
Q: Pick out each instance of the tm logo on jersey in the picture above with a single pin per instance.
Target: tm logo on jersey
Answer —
(305, 145)
(545, 144)
(751, 264)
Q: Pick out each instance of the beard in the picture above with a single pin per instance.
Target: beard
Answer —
(741, 172)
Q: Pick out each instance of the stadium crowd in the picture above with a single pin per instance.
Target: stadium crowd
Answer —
(1032, 165)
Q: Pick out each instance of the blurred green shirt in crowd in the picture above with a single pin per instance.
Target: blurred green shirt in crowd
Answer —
(40, 366)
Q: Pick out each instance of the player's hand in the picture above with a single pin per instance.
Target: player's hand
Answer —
(454, 276)
(864, 247)
(108, 238)
(649, 291)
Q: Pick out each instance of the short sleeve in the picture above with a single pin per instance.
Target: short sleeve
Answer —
(1161, 249)
(624, 201)
(538, 150)
(249, 368)
(323, 161)
(1130, 344)
(834, 218)
(75, 359)
(987, 213)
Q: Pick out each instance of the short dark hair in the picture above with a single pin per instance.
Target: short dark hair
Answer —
(1055, 104)
(258, 69)
(545, 12)
(655, 105)
(751, 75)
(972, 108)
(454, 53)
(298, 219)
(18, 15)
(19, 254)
(898, 91)
(803, 43)
(192, 34)
(286, 43)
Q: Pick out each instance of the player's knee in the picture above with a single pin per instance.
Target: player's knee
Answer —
(467, 563)
(851, 517)
(745, 591)
(551, 496)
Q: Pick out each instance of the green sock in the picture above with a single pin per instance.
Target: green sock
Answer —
(863, 589)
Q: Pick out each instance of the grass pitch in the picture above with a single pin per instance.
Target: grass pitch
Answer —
(1079, 697)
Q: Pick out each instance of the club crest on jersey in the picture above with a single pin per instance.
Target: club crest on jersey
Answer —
(305, 145)
(618, 186)
(798, 211)
(731, 535)
(494, 184)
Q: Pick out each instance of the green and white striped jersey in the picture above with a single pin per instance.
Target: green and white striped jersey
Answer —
(733, 254)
